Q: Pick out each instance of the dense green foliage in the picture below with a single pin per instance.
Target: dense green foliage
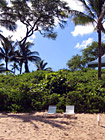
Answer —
(90, 53)
(39, 89)
(76, 63)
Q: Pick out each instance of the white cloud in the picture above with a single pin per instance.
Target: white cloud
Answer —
(84, 44)
(9, 3)
(82, 30)
(18, 34)
(75, 5)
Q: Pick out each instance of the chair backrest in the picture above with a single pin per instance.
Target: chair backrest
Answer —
(52, 109)
(70, 109)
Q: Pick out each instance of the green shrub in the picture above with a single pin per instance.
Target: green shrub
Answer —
(37, 106)
(15, 108)
(59, 111)
(75, 98)
(61, 103)
(97, 104)
(39, 89)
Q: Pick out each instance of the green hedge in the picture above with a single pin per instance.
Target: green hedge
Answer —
(39, 89)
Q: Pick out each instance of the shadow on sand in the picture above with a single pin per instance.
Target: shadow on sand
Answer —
(33, 117)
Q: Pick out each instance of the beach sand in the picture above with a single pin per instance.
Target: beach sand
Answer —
(33, 126)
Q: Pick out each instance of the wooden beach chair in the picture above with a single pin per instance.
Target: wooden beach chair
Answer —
(69, 110)
(51, 110)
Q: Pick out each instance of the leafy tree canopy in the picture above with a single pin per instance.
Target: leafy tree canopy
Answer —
(7, 18)
(75, 63)
(90, 53)
(41, 15)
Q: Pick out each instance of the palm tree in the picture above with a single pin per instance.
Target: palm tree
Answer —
(27, 55)
(18, 60)
(7, 18)
(14, 67)
(2, 69)
(94, 13)
(41, 65)
(6, 51)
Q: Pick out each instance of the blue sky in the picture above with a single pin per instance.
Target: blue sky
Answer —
(70, 41)
(58, 52)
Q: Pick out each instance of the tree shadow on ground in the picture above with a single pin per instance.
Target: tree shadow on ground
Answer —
(102, 126)
(31, 117)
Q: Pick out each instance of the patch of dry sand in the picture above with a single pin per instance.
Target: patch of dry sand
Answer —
(33, 126)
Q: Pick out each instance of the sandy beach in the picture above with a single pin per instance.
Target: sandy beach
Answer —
(33, 126)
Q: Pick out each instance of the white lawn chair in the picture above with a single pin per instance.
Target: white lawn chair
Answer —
(69, 110)
(51, 110)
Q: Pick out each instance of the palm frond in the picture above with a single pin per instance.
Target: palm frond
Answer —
(2, 69)
(80, 18)
(1, 51)
(102, 15)
(87, 8)
(33, 58)
(5, 40)
(29, 53)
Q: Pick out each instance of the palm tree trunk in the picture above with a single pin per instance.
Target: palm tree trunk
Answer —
(99, 51)
(24, 54)
(6, 67)
(26, 66)
(21, 63)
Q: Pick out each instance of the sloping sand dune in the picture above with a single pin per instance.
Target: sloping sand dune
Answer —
(33, 126)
